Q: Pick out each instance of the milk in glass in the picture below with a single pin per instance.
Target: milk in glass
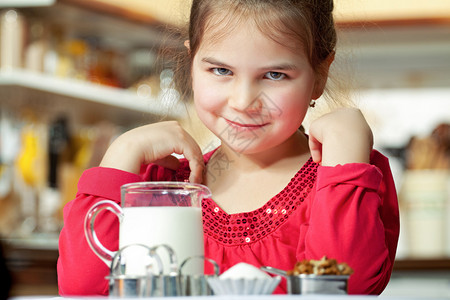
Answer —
(178, 227)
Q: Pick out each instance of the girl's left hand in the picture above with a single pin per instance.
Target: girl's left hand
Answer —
(340, 137)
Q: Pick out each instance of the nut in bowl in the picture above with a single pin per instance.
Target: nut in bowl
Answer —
(244, 279)
(323, 276)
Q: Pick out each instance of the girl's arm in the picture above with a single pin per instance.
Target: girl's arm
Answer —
(155, 143)
(354, 214)
(340, 137)
(80, 271)
(354, 218)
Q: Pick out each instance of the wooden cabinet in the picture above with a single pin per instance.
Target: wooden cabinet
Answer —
(32, 268)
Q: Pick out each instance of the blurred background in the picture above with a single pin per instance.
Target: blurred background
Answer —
(76, 73)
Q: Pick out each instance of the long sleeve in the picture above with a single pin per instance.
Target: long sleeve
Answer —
(80, 271)
(354, 218)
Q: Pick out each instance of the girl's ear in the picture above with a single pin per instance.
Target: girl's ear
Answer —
(187, 44)
(322, 76)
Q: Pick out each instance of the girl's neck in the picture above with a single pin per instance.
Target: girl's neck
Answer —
(296, 145)
(245, 182)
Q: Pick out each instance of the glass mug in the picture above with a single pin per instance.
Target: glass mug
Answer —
(152, 214)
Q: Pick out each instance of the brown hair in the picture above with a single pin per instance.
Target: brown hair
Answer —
(307, 24)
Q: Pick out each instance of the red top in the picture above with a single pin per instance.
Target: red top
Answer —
(348, 212)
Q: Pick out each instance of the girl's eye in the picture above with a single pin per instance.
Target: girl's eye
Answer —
(275, 75)
(221, 71)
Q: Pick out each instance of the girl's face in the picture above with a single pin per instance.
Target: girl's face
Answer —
(250, 91)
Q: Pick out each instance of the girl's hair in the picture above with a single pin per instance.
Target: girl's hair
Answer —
(302, 25)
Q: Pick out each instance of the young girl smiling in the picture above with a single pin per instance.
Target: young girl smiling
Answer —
(253, 68)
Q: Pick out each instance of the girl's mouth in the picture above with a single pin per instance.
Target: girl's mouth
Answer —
(246, 126)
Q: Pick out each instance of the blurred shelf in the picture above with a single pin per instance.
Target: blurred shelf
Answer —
(38, 241)
(154, 13)
(110, 25)
(141, 11)
(421, 264)
(79, 100)
(78, 89)
(26, 3)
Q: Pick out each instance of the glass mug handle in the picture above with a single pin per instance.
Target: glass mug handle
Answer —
(102, 252)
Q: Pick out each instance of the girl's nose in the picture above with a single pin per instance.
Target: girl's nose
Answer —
(244, 96)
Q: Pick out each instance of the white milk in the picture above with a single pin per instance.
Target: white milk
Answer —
(179, 227)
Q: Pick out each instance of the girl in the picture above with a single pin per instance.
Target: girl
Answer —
(279, 196)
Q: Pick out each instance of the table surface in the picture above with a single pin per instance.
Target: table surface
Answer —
(253, 297)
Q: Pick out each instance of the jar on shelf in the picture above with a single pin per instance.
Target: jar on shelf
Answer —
(424, 198)
(12, 39)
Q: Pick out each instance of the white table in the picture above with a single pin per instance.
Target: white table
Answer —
(271, 297)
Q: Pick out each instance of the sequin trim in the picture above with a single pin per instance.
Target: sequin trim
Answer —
(244, 228)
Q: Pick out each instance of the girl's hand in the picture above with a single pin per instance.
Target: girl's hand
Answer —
(340, 137)
(155, 143)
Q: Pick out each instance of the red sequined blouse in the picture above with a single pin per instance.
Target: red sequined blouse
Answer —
(348, 212)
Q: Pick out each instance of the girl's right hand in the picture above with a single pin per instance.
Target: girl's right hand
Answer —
(155, 143)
